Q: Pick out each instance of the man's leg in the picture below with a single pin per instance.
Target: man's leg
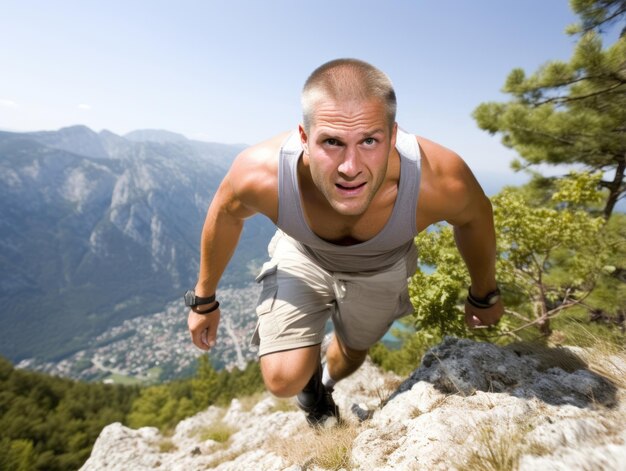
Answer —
(287, 372)
(341, 360)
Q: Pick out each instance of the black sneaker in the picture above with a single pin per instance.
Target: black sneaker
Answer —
(316, 400)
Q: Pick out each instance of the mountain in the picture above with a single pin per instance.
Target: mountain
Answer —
(96, 228)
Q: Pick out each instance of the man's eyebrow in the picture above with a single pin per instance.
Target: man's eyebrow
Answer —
(328, 135)
(375, 131)
(332, 135)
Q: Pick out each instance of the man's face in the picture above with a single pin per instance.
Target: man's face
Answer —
(348, 148)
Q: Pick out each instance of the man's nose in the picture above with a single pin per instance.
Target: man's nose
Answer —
(349, 166)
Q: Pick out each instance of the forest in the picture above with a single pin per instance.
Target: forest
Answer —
(50, 423)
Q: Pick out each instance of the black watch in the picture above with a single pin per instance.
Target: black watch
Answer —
(191, 300)
(483, 303)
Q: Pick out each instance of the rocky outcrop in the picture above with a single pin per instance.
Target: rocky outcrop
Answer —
(469, 405)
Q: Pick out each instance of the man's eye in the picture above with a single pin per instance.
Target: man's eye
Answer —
(332, 142)
(369, 141)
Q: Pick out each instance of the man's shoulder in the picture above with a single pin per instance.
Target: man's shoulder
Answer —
(260, 161)
(447, 183)
(438, 157)
(264, 152)
(442, 168)
(253, 176)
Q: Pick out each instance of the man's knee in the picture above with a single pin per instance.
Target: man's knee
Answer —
(281, 385)
(286, 373)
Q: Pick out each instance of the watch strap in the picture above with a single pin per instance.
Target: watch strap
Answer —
(483, 303)
(192, 300)
(208, 311)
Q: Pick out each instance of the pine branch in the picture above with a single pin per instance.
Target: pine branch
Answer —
(544, 134)
(593, 25)
(568, 99)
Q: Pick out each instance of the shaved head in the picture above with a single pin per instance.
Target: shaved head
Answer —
(344, 80)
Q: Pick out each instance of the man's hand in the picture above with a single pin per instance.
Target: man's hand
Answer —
(476, 317)
(203, 328)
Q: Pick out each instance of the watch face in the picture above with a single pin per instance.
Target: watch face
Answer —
(190, 298)
(493, 297)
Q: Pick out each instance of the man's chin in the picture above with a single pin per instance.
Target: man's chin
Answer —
(346, 209)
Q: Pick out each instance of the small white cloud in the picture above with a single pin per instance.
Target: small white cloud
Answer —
(82, 106)
(8, 103)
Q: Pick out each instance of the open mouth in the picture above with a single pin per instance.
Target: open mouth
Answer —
(349, 187)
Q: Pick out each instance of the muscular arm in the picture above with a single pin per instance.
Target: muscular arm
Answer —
(451, 193)
(476, 241)
(248, 188)
(220, 236)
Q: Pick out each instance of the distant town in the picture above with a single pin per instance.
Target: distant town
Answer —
(157, 347)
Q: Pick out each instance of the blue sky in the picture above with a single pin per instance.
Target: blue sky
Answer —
(231, 71)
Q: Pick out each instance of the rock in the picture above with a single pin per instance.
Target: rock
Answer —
(468, 404)
(473, 402)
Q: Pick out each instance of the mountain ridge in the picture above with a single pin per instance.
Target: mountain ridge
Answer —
(96, 228)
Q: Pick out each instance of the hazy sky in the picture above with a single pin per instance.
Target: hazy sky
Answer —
(231, 71)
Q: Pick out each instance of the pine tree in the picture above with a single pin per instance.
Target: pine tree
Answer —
(571, 112)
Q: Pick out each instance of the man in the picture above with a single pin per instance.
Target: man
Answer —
(348, 192)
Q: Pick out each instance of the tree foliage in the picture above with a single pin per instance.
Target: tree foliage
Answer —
(50, 423)
(551, 257)
(165, 405)
(597, 15)
(570, 112)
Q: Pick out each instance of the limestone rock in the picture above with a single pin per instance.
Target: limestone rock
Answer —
(468, 403)
(473, 402)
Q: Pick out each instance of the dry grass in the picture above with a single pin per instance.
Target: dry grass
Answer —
(326, 448)
(166, 445)
(248, 402)
(284, 405)
(440, 401)
(218, 432)
(386, 389)
(606, 359)
(502, 451)
(415, 412)
(280, 405)
(494, 453)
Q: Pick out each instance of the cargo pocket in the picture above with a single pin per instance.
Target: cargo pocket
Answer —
(267, 278)
(405, 306)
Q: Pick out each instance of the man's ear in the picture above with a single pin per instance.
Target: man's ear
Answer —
(394, 134)
(304, 139)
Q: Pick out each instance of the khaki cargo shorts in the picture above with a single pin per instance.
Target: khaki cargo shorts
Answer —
(298, 297)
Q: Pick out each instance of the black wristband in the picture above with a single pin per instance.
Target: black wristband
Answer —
(207, 300)
(213, 308)
(483, 303)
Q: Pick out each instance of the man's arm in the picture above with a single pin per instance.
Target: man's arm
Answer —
(451, 193)
(476, 241)
(249, 187)
(220, 235)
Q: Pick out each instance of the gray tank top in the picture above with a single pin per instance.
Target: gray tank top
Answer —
(382, 251)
